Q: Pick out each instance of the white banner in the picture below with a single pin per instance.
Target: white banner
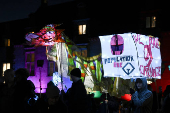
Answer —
(148, 49)
(127, 56)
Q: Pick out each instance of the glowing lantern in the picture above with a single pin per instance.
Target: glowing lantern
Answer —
(131, 55)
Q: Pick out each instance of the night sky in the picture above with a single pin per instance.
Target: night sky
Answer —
(20, 9)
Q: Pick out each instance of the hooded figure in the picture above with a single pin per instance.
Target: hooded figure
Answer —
(142, 99)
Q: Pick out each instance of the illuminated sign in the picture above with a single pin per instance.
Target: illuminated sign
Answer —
(131, 55)
(149, 56)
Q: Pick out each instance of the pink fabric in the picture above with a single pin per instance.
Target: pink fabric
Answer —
(113, 40)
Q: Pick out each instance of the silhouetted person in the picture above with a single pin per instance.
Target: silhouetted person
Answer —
(50, 84)
(53, 102)
(113, 104)
(24, 91)
(92, 104)
(166, 101)
(109, 104)
(156, 99)
(76, 95)
(142, 98)
(1, 83)
(7, 92)
(1, 86)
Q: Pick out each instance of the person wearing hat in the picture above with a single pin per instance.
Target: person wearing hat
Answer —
(76, 96)
(51, 102)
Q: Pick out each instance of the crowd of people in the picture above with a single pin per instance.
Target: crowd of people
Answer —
(17, 95)
(15, 91)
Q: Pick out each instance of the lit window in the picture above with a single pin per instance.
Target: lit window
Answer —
(147, 22)
(151, 22)
(30, 56)
(82, 29)
(7, 42)
(5, 67)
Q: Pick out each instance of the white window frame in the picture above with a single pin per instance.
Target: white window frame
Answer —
(82, 29)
